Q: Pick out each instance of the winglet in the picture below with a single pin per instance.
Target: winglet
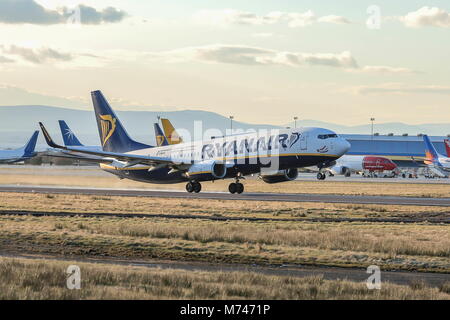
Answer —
(49, 139)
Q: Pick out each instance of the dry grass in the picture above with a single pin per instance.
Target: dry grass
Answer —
(28, 279)
(88, 177)
(397, 246)
(262, 209)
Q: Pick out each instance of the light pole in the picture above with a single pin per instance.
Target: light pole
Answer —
(295, 122)
(231, 123)
(372, 119)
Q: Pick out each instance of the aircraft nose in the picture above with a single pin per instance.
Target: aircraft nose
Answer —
(344, 146)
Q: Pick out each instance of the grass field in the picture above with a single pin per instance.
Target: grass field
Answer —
(45, 279)
(290, 236)
(97, 178)
(422, 246)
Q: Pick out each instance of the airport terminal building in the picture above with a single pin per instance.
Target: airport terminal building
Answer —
(400, 148)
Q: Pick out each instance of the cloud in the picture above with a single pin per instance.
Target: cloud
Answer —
(230, 16)
(427, 16)
(385, 70)
(334, 19)
(5, 60)
(297, 20)
(36, 56)
(31, 12)
(398, 88)
(11, 95)
(263, 35)
(255, 56)
(246, 55)
(90, 15)
(216, 53)
(236, 17)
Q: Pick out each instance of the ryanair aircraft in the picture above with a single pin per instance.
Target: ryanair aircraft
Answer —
(21, 154)
(172, 135)
(275, 155)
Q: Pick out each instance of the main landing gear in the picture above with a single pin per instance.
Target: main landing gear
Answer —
(193, 186)
(321, 176)
(196, 187)
(236, 187)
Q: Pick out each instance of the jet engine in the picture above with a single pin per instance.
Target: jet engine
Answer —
(281, 176)
(341, 170)
(207, 170)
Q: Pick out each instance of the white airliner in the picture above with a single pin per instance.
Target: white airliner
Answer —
(354, 163)
(275, 156)
(21, 154)
(436, 162)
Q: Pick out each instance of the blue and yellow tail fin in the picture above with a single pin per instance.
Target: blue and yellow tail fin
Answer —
(160, 137)
(172, 135)
(431, 155)
(113, 136)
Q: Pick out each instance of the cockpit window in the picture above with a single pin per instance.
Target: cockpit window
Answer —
(327, 136)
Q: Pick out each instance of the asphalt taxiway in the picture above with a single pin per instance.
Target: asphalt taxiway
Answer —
(282, 197)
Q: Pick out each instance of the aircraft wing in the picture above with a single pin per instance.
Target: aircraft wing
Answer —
(66, 155)
(126, 157)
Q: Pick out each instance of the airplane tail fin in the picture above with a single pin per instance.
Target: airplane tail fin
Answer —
(113, 136)
(31, 145)
(447, 147)
(70, 139)
(172, 135)
(160, 137)
(430, 151)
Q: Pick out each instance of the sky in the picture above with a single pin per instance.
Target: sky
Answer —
(262, 61)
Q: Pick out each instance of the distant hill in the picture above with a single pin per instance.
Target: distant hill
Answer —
(18, 122)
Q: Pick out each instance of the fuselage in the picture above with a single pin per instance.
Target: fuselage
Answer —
(13, 156)
(447, 147)
(363, 163)
(442, 163)
(247, 153)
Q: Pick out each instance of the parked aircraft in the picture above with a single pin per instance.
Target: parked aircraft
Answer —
(161, 139)
(21, 154)
(350, 163)
(169, 131)
(275, 156)
(447, 147)
(437, 163)
(70, 138)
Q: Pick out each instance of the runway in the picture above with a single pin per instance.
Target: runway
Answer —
(283, 197)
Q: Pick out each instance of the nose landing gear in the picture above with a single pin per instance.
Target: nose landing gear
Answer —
(193, 186)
